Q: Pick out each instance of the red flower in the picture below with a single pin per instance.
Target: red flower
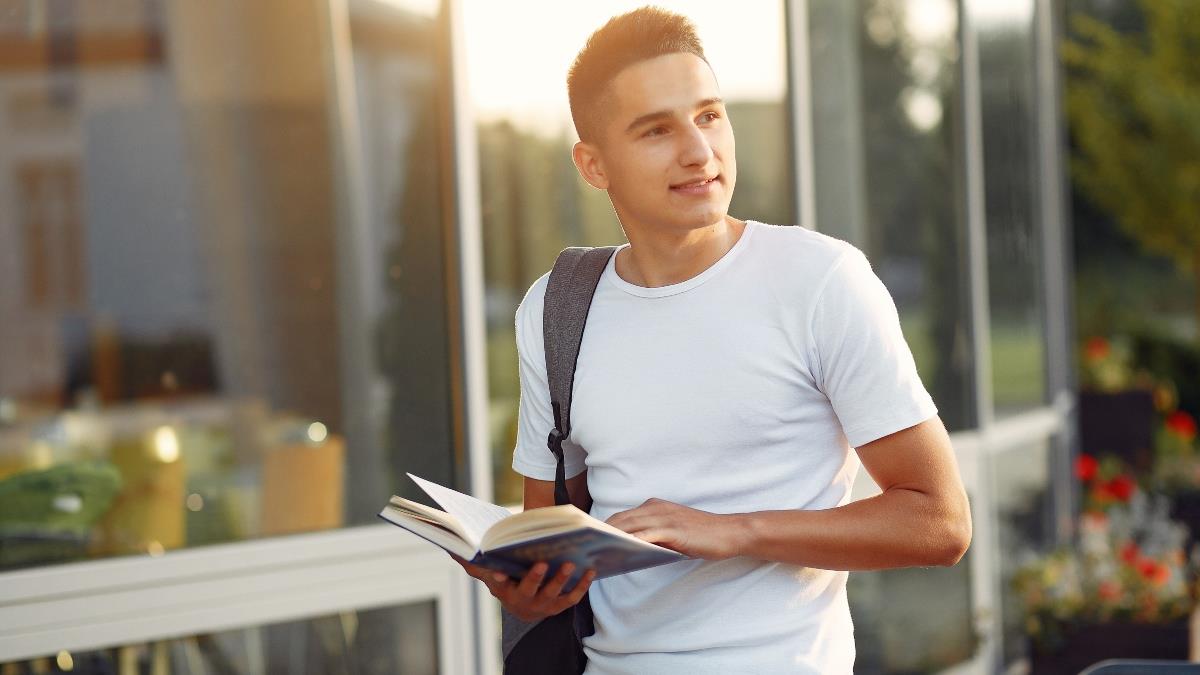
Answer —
(1162, 574)
(1096, 348)
(1154, 572)
(1086, 467)
(1146, 568)
(1182, 424)
(1109, 590)
(1122, 487)
(1130, 553)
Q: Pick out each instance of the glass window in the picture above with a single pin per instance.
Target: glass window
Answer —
(534, 202)
(888, 165)
(399, 392)
(888, 170)
(365, 642)
(197, 343)
(1006, 86)
(913, 620)
(1021, 485)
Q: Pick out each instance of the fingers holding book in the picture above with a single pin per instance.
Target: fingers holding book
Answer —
(535, 597)
(535, 583)
(532, 597)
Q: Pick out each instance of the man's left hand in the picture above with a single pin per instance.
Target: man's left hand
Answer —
(694, 533)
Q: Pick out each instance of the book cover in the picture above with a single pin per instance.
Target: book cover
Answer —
(586, 548)
(492, 537)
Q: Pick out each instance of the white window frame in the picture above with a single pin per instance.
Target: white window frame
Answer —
(137, 599)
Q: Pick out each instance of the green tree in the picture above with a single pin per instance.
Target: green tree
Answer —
(1133, 103)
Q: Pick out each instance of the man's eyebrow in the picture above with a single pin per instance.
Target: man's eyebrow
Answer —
(659, 114)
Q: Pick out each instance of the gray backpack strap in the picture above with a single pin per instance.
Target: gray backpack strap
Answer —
(569, 294)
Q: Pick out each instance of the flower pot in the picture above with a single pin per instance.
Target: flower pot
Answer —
(1086, 644)
(1120, 424)
(1185, 508)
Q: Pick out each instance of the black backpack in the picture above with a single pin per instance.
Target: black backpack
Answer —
(554, 646)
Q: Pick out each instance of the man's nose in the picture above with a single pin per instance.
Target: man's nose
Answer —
(695, 149)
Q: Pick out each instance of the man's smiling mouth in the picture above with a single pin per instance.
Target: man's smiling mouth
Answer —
(695, 184)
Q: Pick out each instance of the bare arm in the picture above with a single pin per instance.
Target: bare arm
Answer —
(922, 518)
(539, 493)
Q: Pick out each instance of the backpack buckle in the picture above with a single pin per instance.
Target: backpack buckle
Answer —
(555, 441)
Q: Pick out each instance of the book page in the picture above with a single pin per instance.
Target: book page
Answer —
(434, 533)
(553, 520)
(435, 516)
(474, 515)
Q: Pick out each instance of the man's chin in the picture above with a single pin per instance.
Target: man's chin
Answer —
(700, 220)
(671, 217)
(708, 217)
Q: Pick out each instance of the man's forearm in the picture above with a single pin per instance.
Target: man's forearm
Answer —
(898, 528)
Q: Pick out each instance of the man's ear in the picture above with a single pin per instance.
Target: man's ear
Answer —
(590, 165)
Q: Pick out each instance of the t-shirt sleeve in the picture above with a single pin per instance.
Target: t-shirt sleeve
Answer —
(865, 367)
(531, 457)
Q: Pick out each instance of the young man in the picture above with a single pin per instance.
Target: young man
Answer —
(732, 377)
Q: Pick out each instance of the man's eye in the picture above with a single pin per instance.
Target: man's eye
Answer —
(656, 131)
(710, 117)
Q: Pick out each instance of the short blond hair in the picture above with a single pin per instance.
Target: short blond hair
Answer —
(627, 39)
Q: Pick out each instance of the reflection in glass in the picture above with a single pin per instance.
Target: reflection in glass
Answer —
(888, 167)
(1007, 90)
(887, 178)
(401, 263)
(366, 642)
(181, 292)
(1021, 485)
(534, 204)
(915, 620)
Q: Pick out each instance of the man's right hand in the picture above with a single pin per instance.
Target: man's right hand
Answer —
(529, 599)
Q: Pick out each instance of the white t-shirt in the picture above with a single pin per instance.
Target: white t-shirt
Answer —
(741, 389)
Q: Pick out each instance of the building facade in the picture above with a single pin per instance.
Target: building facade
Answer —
(259, 260)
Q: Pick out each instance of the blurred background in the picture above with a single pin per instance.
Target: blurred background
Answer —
(260, 259)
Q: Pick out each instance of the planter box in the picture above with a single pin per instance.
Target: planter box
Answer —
(1185, 508)
(1086, 645)
(1120, 424)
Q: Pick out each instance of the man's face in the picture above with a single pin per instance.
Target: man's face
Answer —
(667, 150)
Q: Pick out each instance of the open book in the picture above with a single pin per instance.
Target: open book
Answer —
(491, 536)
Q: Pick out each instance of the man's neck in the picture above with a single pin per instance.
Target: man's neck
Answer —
(656, 259)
